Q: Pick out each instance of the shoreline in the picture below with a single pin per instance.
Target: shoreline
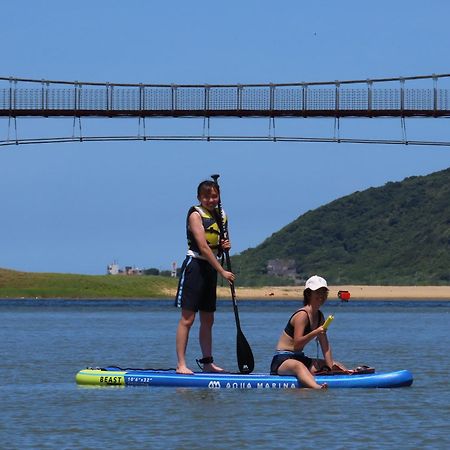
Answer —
(357, 292)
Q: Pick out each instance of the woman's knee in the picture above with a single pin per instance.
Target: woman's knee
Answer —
(187, 319)
(291, 367)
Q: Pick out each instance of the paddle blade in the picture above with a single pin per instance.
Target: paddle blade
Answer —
(246, 362)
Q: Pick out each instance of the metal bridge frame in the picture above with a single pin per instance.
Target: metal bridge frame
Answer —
(333, 99)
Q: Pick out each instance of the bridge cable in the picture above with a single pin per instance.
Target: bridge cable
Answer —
(313, 83)
(51, 140)
(272, 132)
(206, 128)
(404, 134)
(337, 129)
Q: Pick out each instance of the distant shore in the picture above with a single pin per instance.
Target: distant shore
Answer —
(422, 293)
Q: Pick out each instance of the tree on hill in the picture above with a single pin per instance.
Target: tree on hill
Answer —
(395, 234)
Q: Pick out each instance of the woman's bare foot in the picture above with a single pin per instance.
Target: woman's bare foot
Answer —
(318, 386)
(212, 368)
(184, 370)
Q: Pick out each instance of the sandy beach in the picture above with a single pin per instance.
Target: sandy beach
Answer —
(422, 293)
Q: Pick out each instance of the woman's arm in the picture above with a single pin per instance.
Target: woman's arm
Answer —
(197, 230)
(300, 321)
(326, 349)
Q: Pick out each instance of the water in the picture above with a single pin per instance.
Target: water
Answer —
(44, 344)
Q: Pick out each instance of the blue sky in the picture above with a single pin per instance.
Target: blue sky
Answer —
(77, 207)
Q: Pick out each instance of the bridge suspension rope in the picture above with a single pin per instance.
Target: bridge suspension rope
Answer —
(433, 77)
(208, 138)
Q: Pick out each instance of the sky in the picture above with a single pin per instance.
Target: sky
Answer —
(76, 207)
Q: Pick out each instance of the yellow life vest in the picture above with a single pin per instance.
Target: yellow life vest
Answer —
(211, 227)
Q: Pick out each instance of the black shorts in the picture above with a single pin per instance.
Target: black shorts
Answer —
(282, 356)
(197, 286)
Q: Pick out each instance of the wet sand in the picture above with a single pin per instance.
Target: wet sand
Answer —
(422, 293)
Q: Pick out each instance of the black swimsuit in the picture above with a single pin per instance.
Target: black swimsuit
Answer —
(283, 355)
(289, 328)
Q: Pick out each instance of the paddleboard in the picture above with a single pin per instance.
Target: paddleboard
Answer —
(114, 376)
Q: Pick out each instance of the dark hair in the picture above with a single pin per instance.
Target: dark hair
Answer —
(207, 186)
(306, 296)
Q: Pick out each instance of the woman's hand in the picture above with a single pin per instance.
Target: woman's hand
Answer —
(320, 331)
(229, 276)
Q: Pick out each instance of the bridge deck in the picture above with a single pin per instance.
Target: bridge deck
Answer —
(223, 113)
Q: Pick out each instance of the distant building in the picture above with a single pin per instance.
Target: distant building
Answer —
(112, 269)
(130, 270)
(282, 268)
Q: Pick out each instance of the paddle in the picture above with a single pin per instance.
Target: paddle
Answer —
(246, 362)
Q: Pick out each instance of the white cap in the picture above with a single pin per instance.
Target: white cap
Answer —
(316, 282)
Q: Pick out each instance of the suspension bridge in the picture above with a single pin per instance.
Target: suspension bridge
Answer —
(405, 97)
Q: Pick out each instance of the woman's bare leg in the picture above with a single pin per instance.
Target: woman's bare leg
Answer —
(297, 368)
(205, 338)
(184, 326)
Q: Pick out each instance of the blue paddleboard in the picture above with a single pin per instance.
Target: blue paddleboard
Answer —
(114, 376)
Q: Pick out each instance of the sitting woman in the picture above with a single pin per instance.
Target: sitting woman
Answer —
(303, 326)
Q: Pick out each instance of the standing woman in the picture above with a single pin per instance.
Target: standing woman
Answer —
(303, 326)
(198, 280)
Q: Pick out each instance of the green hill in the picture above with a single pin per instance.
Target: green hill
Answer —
(15, 284)
(395, 234)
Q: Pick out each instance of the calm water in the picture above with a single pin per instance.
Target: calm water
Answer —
(44, 344)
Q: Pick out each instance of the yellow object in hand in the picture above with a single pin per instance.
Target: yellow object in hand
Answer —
(327, 322)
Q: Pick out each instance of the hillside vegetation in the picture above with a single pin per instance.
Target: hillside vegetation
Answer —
(395, 234)
(14, 284)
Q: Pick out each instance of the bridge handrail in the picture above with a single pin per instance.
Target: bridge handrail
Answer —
(237, 85)
(210, 100)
